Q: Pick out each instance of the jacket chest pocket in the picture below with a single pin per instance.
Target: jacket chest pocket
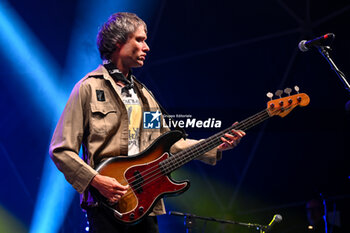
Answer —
(104, 118)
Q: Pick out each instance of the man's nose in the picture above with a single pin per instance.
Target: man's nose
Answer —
(146, 47)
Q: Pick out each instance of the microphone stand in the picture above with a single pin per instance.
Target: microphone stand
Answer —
(325, 214)
(190, 221)
(324, 50)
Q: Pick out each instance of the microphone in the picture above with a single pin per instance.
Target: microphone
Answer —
(276, 219)
(305, 45)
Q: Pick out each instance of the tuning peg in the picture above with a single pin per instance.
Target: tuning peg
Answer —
(269, 95)
(288, 91)
(296, 88)
(279, 93)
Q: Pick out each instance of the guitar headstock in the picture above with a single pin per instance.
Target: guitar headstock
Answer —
(284, 105)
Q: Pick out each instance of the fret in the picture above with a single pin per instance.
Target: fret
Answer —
(187, 155)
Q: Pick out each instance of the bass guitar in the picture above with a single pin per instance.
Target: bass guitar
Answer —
(148, 173)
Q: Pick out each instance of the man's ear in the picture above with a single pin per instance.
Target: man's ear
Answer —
(118, 45)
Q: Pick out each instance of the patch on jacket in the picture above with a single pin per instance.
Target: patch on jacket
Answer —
(100, 95)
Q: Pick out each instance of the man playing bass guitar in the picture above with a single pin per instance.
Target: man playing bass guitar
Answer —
(104, 114)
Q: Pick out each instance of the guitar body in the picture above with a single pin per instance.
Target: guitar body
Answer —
(148, 182)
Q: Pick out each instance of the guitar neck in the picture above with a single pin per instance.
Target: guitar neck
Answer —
(177, 160)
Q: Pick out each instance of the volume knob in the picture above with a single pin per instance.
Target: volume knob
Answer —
(141, 209)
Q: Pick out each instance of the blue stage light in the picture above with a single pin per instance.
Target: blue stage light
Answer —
(37, 70)
(41, 77)
(53, 201)
(39, 73)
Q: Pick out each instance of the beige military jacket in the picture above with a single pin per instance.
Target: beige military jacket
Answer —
(101, 128)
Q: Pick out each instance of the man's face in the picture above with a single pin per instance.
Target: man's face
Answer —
(133, 52)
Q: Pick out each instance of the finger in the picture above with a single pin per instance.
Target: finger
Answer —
(114, 199)
(227, 143)
(119, 186)
(223, 147)
(233, 139)
(119, 192)
(124, 187)
(230, 136)
(238, 133)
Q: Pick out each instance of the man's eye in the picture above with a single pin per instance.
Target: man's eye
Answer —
(140, 39)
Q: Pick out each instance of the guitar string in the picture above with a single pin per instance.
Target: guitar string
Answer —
(188, 150)
(207, 145)
(191, 150)
(194, 152)
(142, 182)
(213, 140)
(203, 142)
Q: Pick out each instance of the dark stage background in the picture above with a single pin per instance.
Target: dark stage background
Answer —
(209, 59)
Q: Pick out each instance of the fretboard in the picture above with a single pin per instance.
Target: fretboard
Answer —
(179, 159)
